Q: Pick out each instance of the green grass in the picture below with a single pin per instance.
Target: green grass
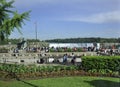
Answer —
(65, 82)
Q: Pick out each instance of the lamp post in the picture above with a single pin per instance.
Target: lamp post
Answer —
(36, 33)
(36, 30)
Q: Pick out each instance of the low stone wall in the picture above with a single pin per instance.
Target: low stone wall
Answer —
(34, 58)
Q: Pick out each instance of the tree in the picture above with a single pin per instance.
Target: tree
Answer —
(10, 19)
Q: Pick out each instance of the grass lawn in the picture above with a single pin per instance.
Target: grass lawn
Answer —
(65, 82)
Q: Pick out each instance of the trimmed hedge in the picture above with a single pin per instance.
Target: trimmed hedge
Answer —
(98, 63)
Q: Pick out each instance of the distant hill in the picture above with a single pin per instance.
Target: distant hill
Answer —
(85, 40)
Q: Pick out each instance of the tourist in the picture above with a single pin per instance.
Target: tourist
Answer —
(65, 58)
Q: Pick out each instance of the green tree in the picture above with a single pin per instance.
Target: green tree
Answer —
(10, 19)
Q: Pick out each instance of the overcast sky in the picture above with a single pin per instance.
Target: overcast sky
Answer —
(70, 18)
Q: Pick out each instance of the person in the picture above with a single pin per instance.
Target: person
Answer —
(73, 61)
(65, 58)
(111, 51)
(72, 55)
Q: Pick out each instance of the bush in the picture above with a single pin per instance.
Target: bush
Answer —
(3, 50)
(80, 50)
(69, 50)
(98, 63)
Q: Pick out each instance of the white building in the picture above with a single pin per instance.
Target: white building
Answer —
(72, 45)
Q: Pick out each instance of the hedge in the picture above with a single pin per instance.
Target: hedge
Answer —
(98, 63)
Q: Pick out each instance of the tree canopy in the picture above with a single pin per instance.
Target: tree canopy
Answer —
(10, 19)
(85, 40)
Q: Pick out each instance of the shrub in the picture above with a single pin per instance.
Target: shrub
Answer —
(69, 50)
(98, 63)
(80, 50)
(3, 50)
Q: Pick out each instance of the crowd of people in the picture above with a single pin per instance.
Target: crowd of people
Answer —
(74, 60)
(109, 51)
(100, 51)
(74, 49)
(32, 49)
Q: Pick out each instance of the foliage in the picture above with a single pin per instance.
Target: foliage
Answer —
(9, 19)
(26, 69)
(69, 50)
(91, 66)
(15, 41)
(33, 40)
(85, 40)
(104, 63)
(3, 50)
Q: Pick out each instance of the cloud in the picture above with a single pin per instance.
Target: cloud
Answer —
(74, 5)
(107, 17)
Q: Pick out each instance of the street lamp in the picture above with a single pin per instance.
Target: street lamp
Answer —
(36, 30)
(36, 33)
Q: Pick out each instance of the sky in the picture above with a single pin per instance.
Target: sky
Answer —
(69, 19)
